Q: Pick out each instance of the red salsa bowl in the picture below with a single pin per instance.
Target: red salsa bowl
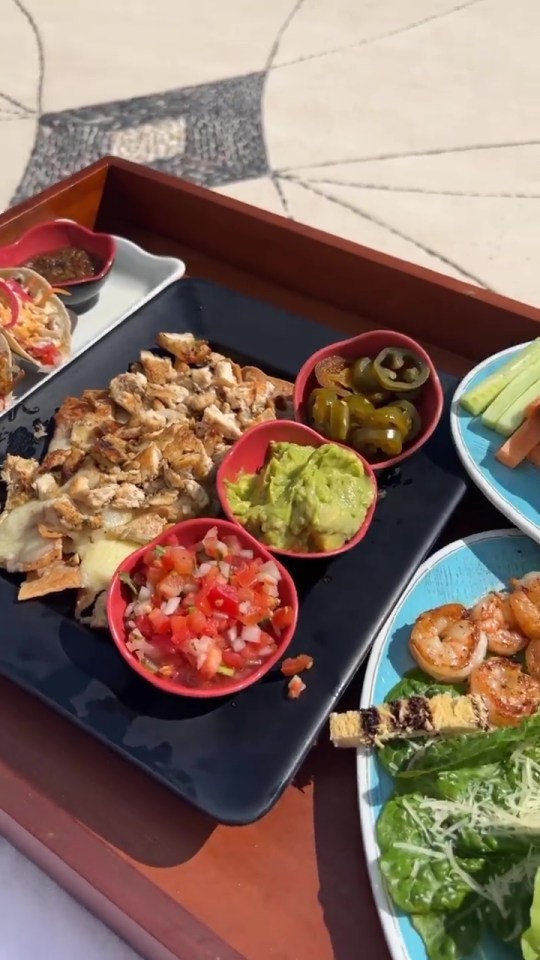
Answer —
(46, 239)
(199, 621)
(430, 401)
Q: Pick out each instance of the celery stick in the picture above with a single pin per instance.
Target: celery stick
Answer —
(514, 416)
(513, 390)
(478, 398)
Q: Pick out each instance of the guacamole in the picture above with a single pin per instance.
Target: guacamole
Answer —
(307, 499)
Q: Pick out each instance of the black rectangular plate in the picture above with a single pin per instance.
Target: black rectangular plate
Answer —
(230, 757)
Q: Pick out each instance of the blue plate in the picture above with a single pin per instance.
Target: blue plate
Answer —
(516, 493)
(461, 572)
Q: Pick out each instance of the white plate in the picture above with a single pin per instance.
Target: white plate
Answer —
(135, 278)
(514, 492)
(462, 571)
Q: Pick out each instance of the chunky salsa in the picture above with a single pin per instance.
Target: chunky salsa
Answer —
(64, 265)
(202, 615)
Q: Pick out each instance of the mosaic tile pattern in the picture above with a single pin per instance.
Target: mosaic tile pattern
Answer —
(382, 121)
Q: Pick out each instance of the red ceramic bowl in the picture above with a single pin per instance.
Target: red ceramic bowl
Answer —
(55, 234)
(248, 455)
(190, 532)
(429, 404)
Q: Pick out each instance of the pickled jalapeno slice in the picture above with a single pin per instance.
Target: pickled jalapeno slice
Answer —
(400, 370)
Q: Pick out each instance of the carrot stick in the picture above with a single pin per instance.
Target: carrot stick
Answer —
(521, 443)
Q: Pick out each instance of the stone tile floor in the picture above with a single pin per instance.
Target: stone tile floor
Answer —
(412, 126)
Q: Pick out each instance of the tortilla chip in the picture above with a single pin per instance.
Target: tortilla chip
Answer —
(63, 575)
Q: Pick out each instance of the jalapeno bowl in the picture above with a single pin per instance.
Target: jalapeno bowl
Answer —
(249, 455)
(188, 536)
(420, 422)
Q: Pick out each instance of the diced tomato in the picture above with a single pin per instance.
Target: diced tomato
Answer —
(295, 687)
(283, 617)
(48, 354)
(143, 624)
(171, 540)
(212, 663)
(196, 621)
(232, 659)
(246, 576)
(160, 623)
(170, 586)
(224, 598)
(202, 603)
(298, 664)
(180, 628)
(178, 559)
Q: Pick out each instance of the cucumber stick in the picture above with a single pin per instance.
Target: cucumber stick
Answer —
(513, 390)
(476, 400)
(514, 416)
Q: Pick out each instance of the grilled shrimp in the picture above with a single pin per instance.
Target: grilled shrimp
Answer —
(532, 658)
(509, 693)
(494, 616)
(446, 644)
(525, 604)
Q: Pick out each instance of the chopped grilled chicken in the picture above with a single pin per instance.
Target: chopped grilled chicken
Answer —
(202, 377)
(185, 347)
(442, 714)
(225, 423)
(128, 390)
(141, 529)
(19, 475)
(157, 370)
(126, 461)
(223, 374)
(46, 486)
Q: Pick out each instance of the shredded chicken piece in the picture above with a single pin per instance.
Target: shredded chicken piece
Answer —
(128, 390)
(157, 370)
(223, 422)
(19, 475)
(185, 347)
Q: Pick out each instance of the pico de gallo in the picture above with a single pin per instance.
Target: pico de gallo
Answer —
(202, 615)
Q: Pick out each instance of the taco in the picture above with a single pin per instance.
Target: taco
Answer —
(33, 320)
(10, 374)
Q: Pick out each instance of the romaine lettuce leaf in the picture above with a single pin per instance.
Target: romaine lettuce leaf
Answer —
(530, 941)
(471, 750)
(419, 874)
(452, 936)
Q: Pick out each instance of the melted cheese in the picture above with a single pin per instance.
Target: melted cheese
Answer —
(20, 541)
(100, 560)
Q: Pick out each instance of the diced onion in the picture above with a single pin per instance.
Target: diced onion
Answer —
(238, 644)
(171, 606)
(144, 593)
(251, 634)
(246, 554)
(225, 569)
(270, 572)
(232, 634)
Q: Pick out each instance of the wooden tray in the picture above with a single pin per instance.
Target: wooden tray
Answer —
(164, 877)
